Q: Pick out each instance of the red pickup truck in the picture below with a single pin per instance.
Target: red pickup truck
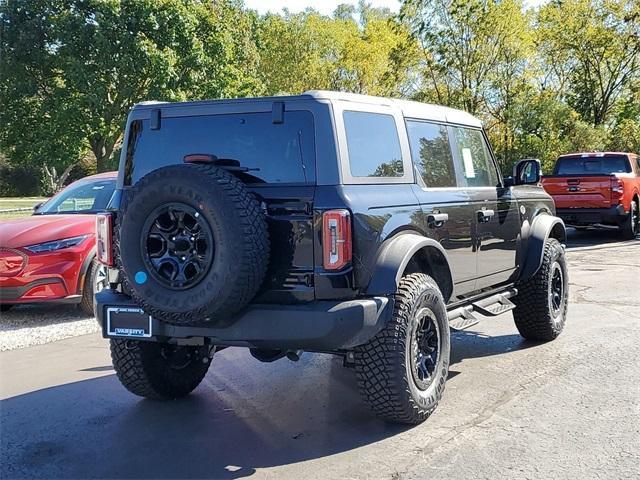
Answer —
(597, 189)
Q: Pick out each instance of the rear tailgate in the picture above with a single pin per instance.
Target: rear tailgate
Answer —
(579, 191)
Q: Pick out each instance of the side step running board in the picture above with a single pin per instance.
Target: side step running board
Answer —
(463, 317)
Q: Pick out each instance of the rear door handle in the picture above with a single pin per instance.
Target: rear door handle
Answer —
(436, 220)
(485, 216)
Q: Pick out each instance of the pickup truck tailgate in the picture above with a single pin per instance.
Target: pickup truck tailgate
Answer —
(579, 191)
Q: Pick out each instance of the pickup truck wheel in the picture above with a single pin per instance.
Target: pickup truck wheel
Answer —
(541, 303)
(159, 371)
(403, 369)
(631, 225)
(192, 244)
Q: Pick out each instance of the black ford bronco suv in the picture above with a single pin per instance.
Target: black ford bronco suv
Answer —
(325, 222)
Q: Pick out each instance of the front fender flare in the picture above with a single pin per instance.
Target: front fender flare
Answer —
(542, 227)
(394, 256)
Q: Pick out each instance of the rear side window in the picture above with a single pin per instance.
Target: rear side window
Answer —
(271, 152)
(592, 165)
(431, 153)
(475, 159)
(373, 144)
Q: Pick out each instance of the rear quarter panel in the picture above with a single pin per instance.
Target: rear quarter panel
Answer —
(379, 212)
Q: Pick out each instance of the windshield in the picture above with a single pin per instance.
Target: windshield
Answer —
(593, 165)
(86, 197)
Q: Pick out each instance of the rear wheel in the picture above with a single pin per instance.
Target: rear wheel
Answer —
(159, 370)
(403, 369)
(541, 303)
(631, 226)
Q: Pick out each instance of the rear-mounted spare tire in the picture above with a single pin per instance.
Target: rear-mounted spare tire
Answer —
(192, 244)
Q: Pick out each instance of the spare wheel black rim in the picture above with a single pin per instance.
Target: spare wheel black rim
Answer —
(177, 246)
(425, 348)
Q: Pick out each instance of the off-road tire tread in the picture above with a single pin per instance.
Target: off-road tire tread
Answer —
(247, 277)
(532, 314)
(383, 387)
(142, 374)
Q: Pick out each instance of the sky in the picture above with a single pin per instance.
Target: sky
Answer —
(328, 6)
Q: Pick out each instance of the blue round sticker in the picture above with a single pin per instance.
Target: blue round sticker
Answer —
(140, 278)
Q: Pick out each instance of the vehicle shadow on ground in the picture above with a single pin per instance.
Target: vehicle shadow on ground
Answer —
(594, 237)
(470, 344)
(245, 416)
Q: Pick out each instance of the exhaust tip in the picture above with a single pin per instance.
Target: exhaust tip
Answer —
(294, 355)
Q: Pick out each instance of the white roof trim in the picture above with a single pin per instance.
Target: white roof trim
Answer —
(410, 109)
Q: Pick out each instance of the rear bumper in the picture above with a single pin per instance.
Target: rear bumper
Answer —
(319, 326)
(590, 216)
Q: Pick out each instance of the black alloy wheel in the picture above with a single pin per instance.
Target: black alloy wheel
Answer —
(425, 348)
(178, 245)
(556, 291)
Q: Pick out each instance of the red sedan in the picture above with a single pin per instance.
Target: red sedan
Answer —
(50, 256)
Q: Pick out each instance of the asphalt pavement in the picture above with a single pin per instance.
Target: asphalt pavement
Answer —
(512, 409)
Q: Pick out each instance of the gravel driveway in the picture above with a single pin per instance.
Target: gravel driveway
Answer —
(29, 325)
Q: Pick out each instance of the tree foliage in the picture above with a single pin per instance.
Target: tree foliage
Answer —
(564, 77)
(593, 46)
(71, 69)
(363, 50)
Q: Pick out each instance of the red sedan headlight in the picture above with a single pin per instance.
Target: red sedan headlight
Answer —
(56, 244)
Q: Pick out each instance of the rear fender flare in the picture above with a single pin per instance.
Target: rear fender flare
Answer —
(394, 257)
(543, 227)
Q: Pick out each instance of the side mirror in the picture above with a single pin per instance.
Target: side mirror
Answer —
(527, 172)
(37, 206)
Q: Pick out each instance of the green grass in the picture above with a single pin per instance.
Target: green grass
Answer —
(8, 203)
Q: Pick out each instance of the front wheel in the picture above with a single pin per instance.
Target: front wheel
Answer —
(403, 369)
(159, 371)
(542, 300)
(95, 281)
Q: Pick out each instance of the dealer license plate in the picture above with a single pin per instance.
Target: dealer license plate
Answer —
(128, 322)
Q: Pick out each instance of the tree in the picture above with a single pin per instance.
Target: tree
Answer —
(593, 48)
(71, 69)
(306, 51)
(463, 43)
(547, 127)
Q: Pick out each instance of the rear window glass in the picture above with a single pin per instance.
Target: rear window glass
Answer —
(594, 165)
(271, 152)
(373, 144)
